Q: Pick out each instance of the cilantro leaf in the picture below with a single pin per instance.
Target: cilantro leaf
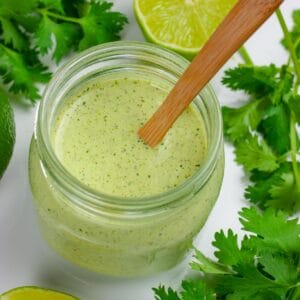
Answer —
(257, 81)
(191, 290)
(195, 289)
(100, 25)
(66, 36)
(17, 71)
(273, 227)
(75, 8)
(9, 8)
(28, 22)
(239, 121)
(250, 283)
(206, 265)
(271, 189)
(248, 280)
(259, 192)
(54, 5)
(162, 294)
(277, 118)
(286, 185)
(228, 252)
(280, 267)
(255, 155)
(12, 35)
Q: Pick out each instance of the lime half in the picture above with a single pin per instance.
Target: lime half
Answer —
(35, 293)
(7, 132)
(181, 25)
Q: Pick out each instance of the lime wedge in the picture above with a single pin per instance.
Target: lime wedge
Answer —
(35, 293)
(7, 132)
(181, 25)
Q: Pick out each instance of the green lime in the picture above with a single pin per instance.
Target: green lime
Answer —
(35, 293)
(7, 132)
(181, 25)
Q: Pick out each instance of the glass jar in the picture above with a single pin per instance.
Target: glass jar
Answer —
(112, 235)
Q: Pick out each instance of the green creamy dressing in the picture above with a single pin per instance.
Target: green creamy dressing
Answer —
(94, 135)
(95, 138)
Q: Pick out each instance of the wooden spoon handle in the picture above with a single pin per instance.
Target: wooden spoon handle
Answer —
(237, 27)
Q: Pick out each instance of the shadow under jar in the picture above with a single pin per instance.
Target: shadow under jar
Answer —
(103, 199)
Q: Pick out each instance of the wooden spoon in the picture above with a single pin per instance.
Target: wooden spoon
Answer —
(237, 27)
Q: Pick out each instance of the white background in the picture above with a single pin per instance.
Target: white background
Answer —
(24, 258)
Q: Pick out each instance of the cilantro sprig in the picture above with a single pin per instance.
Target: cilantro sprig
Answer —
(33, 28)
(264, 130)
(263, 265)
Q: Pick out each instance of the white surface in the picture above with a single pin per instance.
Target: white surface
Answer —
(23, 260)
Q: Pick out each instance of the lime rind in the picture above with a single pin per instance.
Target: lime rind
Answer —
(7, 132)
(24, 289)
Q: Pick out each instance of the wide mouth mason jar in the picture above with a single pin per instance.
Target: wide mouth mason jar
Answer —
(109, 234)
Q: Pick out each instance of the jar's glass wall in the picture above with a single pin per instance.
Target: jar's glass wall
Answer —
(120, 247)
(115, 236)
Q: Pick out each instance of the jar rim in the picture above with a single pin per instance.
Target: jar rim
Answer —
(90, 198)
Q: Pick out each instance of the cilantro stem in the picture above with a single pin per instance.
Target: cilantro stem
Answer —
(296, 291)
(295, 294)
(289, 42)
(9, 51)
(59, 17)
(245, 56)
(293, 133)
(293, 139)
